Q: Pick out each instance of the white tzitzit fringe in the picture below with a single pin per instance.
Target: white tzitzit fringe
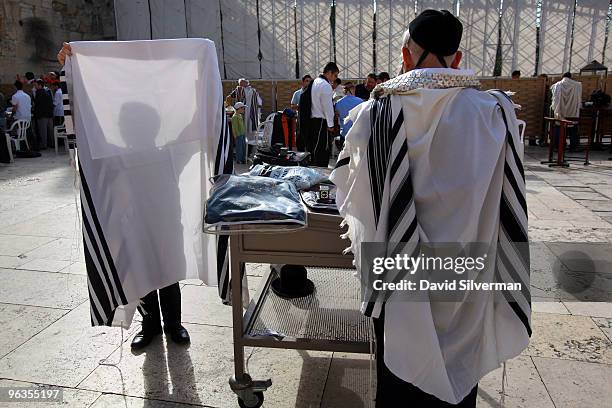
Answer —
(502, 400)
(370, 381)
(105, 362)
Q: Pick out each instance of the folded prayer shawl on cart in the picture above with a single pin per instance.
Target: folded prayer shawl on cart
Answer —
(301, 177)
(150, 131)
(253, 203)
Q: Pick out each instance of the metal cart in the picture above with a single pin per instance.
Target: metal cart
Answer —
(327, 320)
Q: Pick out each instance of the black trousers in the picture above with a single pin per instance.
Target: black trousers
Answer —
(170, 301)
(390, 389)
(571, 132)
(318, 142)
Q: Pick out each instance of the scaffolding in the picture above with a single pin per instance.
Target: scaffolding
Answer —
(279, 39)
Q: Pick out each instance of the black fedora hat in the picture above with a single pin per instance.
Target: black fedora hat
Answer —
(292, 282)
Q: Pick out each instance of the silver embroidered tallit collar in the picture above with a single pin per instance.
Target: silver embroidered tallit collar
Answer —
(431, 78)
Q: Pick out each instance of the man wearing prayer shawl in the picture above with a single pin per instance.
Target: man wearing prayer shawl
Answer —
(566, 102)
(433, 159)
(249, 96)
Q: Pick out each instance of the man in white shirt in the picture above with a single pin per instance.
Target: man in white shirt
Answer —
(317, 115)
(295, 99)
(22, 103)
(58, 104)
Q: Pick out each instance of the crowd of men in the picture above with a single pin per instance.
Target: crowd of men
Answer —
(37, 101)
(327, 101)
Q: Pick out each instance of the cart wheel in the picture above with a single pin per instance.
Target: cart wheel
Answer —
(255, 401)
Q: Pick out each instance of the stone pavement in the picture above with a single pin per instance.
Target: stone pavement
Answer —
(46, 338)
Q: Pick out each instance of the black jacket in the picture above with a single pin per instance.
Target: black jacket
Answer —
(43, 104)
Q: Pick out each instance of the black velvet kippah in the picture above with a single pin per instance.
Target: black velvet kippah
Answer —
(437, 31)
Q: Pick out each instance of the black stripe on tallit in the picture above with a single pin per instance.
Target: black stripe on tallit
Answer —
(222, 252)
(508, 221)
(411, 228)
(102, 276)
(342, 162)
(224, 164)
(221, 144)
(517, 192)
(90, 267)
(401, 156)
(401, 201)
(510, 141)
(513, 273)
(521, 315)
(378, 151)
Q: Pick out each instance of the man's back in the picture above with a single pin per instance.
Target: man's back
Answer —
(344, 106)
(456, 156)
(443, 148)
(566, 98)
(43, 104)
(24, 105)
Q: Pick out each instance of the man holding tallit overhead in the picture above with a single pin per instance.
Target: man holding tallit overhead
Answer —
(433, 159)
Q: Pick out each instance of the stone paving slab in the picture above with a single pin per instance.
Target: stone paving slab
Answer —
(568, 337)
(47, 225)
(64, 353)
(573, 384)
(350, 382)
(61, 249)
(201, 305)
(72, 398)
(523, 389)
(19, 323)
(605, 324)
(34, 288)
(593, 309)
(115, 400)
(11, 262)
(77, 268)
(199, 374)
(13, 245)
(44, 265)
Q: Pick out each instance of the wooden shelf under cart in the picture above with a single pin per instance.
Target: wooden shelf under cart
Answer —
(327, 320)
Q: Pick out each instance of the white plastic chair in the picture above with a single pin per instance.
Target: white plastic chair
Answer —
(9, 147)
(59, 132)
(522, 125)
(18, 132)
(264, 132)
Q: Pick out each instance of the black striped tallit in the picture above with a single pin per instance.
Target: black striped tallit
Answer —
(513, 257)
(105, 288)
(387, 155)
(224, 164)
(68, 122)
(388, 167)
(253, 107)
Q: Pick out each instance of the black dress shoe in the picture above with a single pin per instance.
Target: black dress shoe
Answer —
(178, 334)
(143, 338)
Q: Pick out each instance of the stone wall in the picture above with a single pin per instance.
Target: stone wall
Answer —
(31, 31)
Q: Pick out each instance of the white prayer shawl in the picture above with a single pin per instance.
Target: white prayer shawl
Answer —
(250, 97)
(146, 154)
(427, 162)
(566, 98)
(253, 113)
